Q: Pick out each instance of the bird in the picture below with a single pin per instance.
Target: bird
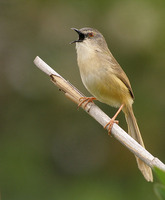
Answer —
(104, 78)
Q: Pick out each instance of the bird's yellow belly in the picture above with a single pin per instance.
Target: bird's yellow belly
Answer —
(107, 88)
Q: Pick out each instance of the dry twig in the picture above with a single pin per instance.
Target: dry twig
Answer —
(94, 111)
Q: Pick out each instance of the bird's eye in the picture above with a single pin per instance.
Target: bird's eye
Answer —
(90, 34)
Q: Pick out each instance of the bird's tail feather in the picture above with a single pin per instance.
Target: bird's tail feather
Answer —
(134, 131)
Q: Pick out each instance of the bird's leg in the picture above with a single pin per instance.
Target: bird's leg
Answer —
(85, 99)
(112, 121)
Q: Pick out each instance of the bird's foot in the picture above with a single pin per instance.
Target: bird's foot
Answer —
(85, 99)
(112, 121)
(110, 124)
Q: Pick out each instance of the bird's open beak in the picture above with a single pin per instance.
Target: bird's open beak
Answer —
(81, 36)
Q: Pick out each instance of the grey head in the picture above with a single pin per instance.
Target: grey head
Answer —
(90, 35)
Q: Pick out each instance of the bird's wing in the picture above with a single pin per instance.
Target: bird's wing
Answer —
(115, 68)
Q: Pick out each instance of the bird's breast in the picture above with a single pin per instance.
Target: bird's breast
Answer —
(99, 78)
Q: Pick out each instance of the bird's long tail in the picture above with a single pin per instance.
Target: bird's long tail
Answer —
(134, 131)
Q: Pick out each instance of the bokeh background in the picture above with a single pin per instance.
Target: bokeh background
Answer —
(48, 149)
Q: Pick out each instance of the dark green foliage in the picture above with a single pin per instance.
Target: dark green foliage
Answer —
(160, 188)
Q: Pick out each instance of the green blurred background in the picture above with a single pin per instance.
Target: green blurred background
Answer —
(48, 149)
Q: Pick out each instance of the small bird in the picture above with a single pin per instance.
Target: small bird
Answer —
(103, 77)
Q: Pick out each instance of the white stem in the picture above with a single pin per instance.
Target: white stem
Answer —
(44, 67)
(94, 111)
